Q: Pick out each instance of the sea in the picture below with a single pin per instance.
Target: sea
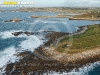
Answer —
(10, 45)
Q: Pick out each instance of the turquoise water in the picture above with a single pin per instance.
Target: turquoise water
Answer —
(95, 71)
(9, 42)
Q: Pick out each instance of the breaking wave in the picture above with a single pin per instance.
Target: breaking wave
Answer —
(82, 71)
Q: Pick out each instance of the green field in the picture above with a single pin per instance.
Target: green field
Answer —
(81, 42)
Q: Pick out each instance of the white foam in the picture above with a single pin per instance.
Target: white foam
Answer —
(44, 21)
(51, 22)
(7, 56)
(8, 34)
(82, 71)
(31, 43)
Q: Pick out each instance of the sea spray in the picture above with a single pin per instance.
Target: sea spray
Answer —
(31, 43)
(81, 71)
(8, 34)
(8, 55)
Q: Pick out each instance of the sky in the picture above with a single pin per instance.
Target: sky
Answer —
(65, 3)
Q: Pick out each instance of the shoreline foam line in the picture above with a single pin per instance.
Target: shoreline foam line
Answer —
(82, 71)
(31, 43)
(7, 56)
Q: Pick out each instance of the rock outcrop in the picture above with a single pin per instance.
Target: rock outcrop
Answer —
(14, 20)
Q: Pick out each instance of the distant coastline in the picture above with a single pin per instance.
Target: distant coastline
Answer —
(79, 13)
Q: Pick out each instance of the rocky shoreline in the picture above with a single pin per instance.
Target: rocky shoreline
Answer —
(36, 62)
(46, 58)
(91, 19)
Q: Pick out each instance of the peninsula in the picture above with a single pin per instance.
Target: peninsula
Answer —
(63, 56)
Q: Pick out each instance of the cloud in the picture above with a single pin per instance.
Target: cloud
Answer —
(82, 3)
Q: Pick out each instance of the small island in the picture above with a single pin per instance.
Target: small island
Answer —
(14, 20)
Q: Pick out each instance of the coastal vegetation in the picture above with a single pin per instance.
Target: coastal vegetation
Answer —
(81, 42)
(90, 15)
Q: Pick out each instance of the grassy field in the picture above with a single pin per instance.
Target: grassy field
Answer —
(81, 42)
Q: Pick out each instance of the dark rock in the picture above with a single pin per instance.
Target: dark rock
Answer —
(9, 68)
(20, 32)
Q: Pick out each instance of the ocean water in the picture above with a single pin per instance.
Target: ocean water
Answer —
(10, 45)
